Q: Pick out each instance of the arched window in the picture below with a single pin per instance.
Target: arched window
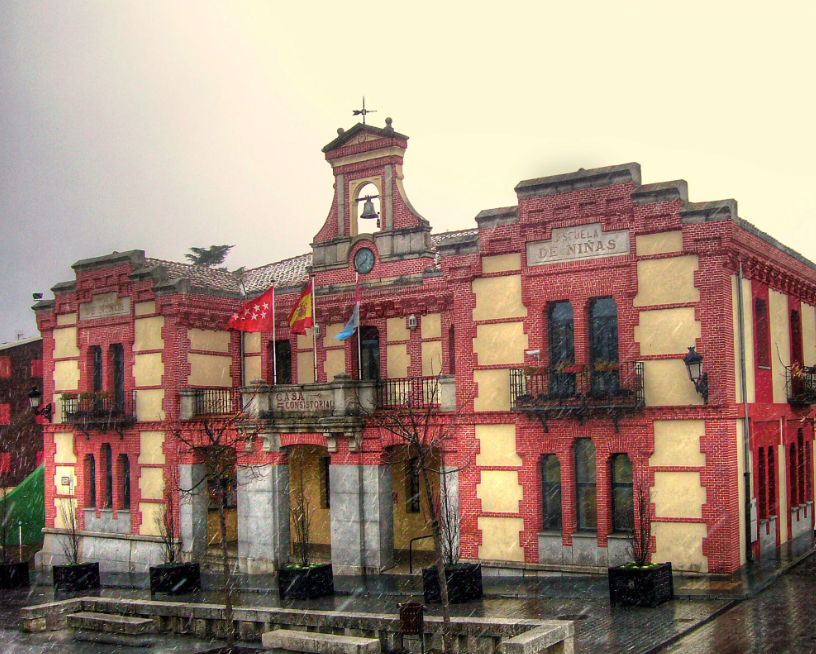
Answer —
(603, 346)
(107, 462)
(551, 491)
(283, 362)
(623, 508)
(586, 491)
(370, 354)
(124, 475)
(800, 441)
(561, 333)
(90, 481)
(762, 334)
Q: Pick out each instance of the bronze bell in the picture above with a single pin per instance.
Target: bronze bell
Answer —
(368, 210)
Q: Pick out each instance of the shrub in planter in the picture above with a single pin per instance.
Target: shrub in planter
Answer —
(649, 585)
(76, 576)
(14, 575)
(175, 578)
(309, 582)
(464, 583)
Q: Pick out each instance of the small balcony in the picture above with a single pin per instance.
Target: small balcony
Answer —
(419, 393)
(212, 402)
(800, 384)
(100, 411)
(578, 390)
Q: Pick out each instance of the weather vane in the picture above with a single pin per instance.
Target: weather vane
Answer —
(362, 112)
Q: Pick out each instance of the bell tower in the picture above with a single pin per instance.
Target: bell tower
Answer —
(369, 200)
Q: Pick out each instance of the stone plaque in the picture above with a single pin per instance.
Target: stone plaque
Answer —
(104, 305)
(576, 243)
(303, 401)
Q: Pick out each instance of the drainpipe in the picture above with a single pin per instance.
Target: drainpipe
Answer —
(746, 431)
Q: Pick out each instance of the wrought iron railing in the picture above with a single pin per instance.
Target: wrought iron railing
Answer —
(800, 384)
(100, 411)
(414, 392)
(574, 388)
(216, 401)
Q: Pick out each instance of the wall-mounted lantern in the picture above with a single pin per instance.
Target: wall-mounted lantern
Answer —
(34, 397)
(413, 323)
(694, 365)
(318, 332)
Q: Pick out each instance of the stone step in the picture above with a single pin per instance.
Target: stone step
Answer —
(313, 642)
(111, 624)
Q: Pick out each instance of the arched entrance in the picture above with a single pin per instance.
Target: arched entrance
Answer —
(309, 503)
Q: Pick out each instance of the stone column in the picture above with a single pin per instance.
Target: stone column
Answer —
(193, 509)
(263, 517)
(362, 518)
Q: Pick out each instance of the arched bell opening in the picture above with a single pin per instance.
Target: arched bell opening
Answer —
(309, 504)
(365, 212)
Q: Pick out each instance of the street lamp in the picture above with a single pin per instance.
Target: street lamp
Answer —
(34, 397)
(694, 365)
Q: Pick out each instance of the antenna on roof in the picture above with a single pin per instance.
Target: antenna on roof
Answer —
(362, 112)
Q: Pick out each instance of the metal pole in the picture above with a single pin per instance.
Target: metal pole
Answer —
(746, 436)
(20, 541)
(359, 327)
(274, 343)
(314, 328)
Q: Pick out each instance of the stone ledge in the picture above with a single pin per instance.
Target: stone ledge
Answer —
(317, 643)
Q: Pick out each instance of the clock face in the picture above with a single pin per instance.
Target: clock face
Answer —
(363, 261)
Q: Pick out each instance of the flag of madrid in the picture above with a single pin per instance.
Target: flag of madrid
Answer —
(256, 315)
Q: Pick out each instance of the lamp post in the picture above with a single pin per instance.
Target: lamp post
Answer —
(694, 365)
(34, 397)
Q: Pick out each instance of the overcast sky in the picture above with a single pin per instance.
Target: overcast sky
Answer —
(167, 124)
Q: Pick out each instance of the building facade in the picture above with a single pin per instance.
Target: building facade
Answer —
(552, 335)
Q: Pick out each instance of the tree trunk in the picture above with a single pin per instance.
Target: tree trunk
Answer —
(228, 581)
(447, 639)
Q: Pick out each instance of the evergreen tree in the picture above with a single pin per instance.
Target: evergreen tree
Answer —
(211, 256)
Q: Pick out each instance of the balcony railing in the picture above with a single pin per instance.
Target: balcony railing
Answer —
(216, 401)
(800, 384)
(578, 389)
(414, 392)
(100, 412)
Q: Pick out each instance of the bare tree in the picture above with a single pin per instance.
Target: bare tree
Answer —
(70, 539)
(167, 520)
(640, 538)
(301, 510)
(414, 418)
(221, 444)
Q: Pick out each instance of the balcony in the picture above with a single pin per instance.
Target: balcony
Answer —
(800, 384)
(578, 391)
(216, 402)
(420, 393)
(100, 411)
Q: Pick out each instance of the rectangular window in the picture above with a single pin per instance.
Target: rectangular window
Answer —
(118, 356)
(762, 334)
(36, 368)
(96, 367)
(586, 491)
(5, 367)
(125, 474)
(793, 469)
(412, 485)
(623, 508)
(762, 483)
(283, 362)
(561, 336)
(107, 461)
(802, 465)
(603, 347)
(5, 413)
(90, 477)
(772, 510)
(551, 492)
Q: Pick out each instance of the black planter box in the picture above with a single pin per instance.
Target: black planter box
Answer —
(175, 578)
(306, 583)
(641, 586)
(464, 583)
(80, 576)
(14, 575)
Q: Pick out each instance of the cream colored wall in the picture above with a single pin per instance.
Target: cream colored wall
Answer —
(667, 331)
(151, 483)
(64, 443)
(252, 369)
(662, 243)
(149, 404)
(681, 543)
(431, 358)
(309, 466)
(148, 369)
(151, 514)
(500, 538)
(809, 334)
(305, 367)
(493, 390)
(209, 370)
(779, 317)
(65, 471)
(252, 343)
(499, 491)
(151, 448)
(666, 383)
(500, 343)
(304, 341)
(208, 340)
(144, 308)
(66, 319)
(328, 338)
(396, 330)
(59, 502)
(498, 297)
(66, 375)
(677, 443)
(431, 326)
(65, 343)
(782, 490)
(748, 325)
(398, 361)
(497, 445)
(666, 281)
(678, 495)
(147, 334)
(409, 525)
(501, 263)
(335, 363)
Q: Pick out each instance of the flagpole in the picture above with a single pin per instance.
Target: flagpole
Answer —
(274, 343)
(243, 361)
(314, 328)
(359, 326)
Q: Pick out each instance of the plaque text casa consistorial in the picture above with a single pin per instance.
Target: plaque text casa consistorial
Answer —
(303, 401)
(580, 242)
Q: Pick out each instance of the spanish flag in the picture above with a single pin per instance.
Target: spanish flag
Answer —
(300, 317)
